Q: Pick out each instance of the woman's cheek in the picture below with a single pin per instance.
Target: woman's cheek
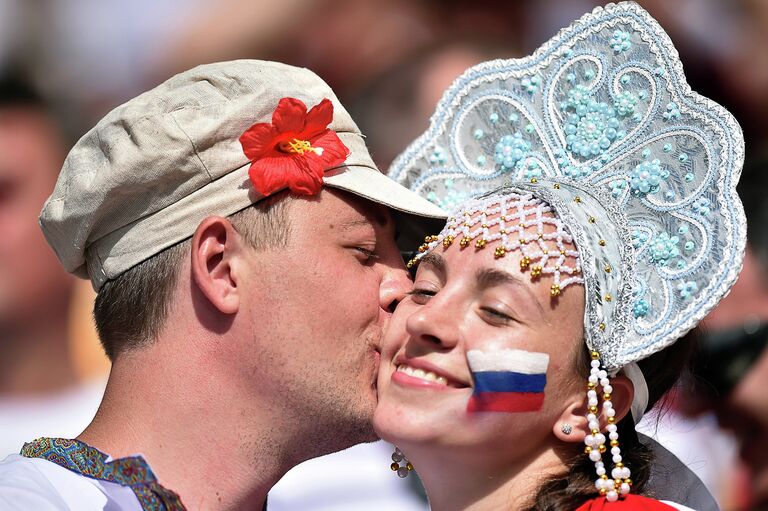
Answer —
(507, 380)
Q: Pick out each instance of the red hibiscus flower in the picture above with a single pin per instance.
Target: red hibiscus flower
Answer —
(295, 149)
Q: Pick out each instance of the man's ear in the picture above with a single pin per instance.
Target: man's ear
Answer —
(216, 248)
(575, 412)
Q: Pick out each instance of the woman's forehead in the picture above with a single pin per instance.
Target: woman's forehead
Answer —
(514, 225)
(479, 270)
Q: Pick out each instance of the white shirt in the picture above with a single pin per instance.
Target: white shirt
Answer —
(37, 484)
(356, 479)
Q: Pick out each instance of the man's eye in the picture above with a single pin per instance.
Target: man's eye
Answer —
(369, 256)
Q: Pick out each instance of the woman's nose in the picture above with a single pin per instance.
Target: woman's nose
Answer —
(435, 323)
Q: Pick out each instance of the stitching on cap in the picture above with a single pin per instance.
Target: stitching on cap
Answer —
(194, 148)
(360, 165)
(98, 274)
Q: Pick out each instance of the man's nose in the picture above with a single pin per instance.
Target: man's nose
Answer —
(395, 284)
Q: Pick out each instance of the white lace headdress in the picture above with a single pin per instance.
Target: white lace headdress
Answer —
(600, 124)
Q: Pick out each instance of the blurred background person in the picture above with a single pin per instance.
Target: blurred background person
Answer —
(732, 369)
(41, 392)
(733, 381)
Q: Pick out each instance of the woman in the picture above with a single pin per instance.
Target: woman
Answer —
(543, 315)
(474, 446)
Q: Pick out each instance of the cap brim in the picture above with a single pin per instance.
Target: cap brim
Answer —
(371, 184)
(421, 216)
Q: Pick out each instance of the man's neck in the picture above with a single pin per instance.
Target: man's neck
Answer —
(35, 358)
(204, 438)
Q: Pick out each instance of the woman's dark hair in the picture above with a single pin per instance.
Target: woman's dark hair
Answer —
(570, 490)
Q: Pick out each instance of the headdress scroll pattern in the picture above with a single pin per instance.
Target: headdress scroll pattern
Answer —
(603, 108)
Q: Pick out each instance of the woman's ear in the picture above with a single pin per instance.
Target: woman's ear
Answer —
(621, 398)
(572, 425)
(215, 249)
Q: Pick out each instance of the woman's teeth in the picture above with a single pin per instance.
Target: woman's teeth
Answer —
(422, 374)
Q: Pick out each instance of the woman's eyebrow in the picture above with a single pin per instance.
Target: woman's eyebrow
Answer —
(436, 261)
(489, 277)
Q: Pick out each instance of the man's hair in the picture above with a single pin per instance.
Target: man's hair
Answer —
(131, 310)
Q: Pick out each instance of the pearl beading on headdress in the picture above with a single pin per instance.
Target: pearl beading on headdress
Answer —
(518, 222)
(619, 483)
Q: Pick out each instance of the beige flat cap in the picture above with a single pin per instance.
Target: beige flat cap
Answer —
(150, 171)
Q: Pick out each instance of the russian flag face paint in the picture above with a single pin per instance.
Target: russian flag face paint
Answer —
(507, 380)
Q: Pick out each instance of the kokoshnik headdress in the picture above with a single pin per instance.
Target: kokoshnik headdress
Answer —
(600, 124)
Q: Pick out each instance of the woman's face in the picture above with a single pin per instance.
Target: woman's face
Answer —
(468, 300)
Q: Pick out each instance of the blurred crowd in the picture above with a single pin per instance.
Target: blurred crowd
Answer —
(64, 64)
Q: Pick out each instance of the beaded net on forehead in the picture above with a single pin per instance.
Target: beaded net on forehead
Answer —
(514, 222)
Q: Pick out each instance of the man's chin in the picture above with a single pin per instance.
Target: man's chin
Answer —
(362, 433)
(359, 422)
(369, 436)
(365, 426)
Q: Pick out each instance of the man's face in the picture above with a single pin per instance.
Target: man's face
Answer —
(319, 306)
(31, 280)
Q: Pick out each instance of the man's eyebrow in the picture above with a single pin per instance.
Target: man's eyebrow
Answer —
(354, 224)
(436, 261)
(378, 222)
(489, 277)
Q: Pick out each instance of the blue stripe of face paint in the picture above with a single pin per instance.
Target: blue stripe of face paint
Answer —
(507, 381)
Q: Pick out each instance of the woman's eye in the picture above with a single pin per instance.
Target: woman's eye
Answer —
(496, 315)
(421, 295)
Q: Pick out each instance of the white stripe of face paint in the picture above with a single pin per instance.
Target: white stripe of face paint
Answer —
(519, 361)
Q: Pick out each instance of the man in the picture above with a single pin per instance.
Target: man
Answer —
(41, 393)
(243, 332)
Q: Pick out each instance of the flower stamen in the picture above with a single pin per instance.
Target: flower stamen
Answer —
(300, 147)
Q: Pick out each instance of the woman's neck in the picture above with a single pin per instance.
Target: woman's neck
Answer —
(470, 483)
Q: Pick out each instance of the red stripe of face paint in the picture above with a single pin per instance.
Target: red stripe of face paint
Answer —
(506, 402)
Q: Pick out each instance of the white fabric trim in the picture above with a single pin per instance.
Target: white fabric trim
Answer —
(640, 401)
